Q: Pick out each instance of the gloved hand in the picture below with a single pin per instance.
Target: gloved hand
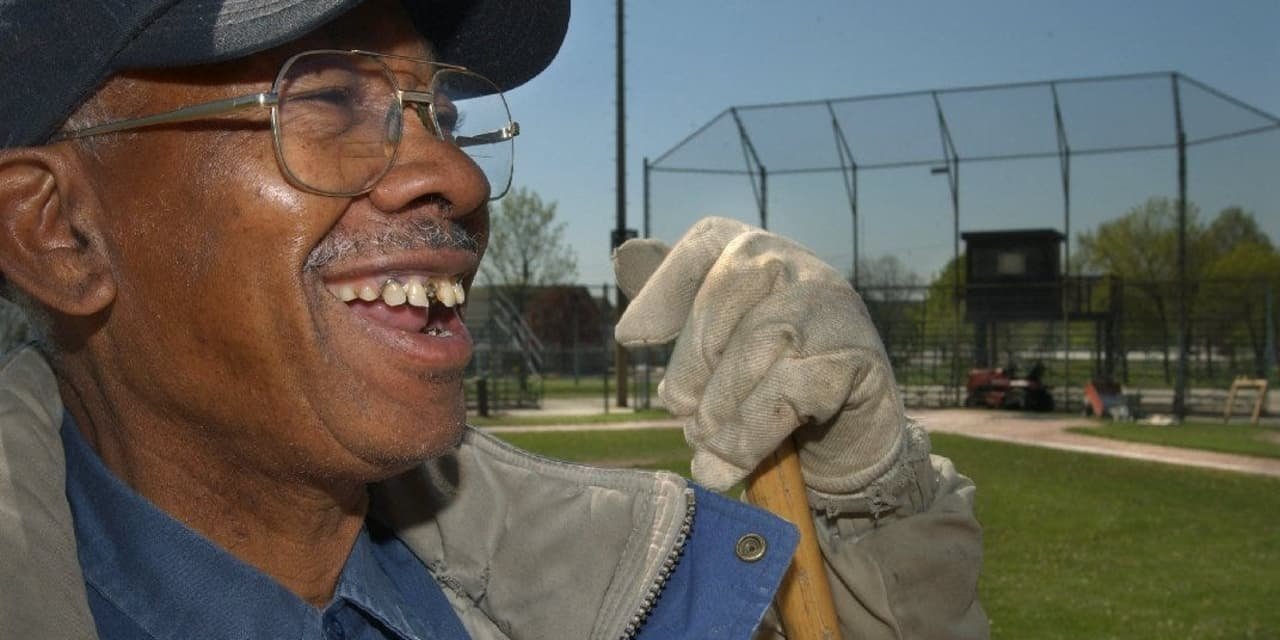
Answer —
(769, 340)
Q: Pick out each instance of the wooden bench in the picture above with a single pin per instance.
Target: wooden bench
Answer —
(1242, 383)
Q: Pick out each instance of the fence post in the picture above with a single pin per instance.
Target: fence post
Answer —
(1271, 335)
(482, 396)
(608, 331)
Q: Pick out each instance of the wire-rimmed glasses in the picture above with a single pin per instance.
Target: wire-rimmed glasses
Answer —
(337, 118)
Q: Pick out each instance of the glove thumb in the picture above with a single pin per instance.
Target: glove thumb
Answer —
(635, 261)
(714, 472)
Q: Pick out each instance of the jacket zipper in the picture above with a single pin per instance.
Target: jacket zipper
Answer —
(664, 573)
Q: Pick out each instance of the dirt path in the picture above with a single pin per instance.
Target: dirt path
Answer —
(1050, 431)
(1020, 428)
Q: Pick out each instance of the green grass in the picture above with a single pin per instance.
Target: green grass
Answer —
(1081, 546)
(1243, 439)
(1077, 546)
(622, 415)
(641, 448)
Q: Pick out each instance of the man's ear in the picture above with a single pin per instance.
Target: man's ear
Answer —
(50, 245)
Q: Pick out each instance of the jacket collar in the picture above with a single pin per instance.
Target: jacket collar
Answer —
(526, 539)
(37, 540)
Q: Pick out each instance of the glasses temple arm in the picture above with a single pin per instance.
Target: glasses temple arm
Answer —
(498, 135)
(185, 114)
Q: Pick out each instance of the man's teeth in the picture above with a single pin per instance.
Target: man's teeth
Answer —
(416, 291)
(393, 294)
(445, 295)
(345, 293)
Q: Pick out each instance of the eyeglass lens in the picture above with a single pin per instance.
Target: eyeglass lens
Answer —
(339, 121)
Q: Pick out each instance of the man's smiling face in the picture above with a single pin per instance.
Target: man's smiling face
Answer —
(234, 323)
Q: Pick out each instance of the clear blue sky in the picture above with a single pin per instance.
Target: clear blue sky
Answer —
(689, 60)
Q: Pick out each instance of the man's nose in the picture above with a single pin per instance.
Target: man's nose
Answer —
(425, 166)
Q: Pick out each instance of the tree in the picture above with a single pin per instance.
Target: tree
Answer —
(1142, 244)
(527, 247)
(1227, 262)
(1232, 228)
(886, 271)
(1142, 247)
(1240, 282)
(946, 289)
(945, 333)
(1242, 269)
(891, 291)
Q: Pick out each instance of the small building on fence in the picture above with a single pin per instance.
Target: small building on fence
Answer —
(1016, 276)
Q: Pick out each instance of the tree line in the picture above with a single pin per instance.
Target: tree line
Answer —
(1232, 273)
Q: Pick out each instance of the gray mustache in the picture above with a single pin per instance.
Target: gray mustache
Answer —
(400, 234)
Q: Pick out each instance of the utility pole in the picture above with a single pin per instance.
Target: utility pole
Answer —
(1184, 331)
(621, 233)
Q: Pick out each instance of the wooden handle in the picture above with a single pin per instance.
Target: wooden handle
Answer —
(804, 599)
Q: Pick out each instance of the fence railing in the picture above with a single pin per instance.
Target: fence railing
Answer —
(1109, 328)
(1112, 329)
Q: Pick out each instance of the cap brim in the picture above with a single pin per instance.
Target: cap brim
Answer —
(509, 41)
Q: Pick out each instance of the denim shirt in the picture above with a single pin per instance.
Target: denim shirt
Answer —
(149, 576)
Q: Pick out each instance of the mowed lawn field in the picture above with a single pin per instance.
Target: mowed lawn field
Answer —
(1077, 546)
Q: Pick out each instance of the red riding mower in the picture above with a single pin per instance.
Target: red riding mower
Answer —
(1001, 388)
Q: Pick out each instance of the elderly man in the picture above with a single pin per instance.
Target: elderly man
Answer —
(245, 230)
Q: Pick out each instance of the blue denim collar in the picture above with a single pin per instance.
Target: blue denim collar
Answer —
(176, 584)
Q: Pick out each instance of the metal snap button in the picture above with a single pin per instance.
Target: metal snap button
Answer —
(750, 547)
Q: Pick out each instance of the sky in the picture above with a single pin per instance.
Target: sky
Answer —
(687, 61)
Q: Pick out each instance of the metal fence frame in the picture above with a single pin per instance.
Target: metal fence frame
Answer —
(950, 160)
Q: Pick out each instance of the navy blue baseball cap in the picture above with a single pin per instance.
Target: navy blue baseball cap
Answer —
(56, 53)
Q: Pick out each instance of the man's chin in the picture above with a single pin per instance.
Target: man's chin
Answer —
(421, 435)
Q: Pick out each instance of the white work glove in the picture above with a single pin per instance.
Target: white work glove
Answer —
(769, 340)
